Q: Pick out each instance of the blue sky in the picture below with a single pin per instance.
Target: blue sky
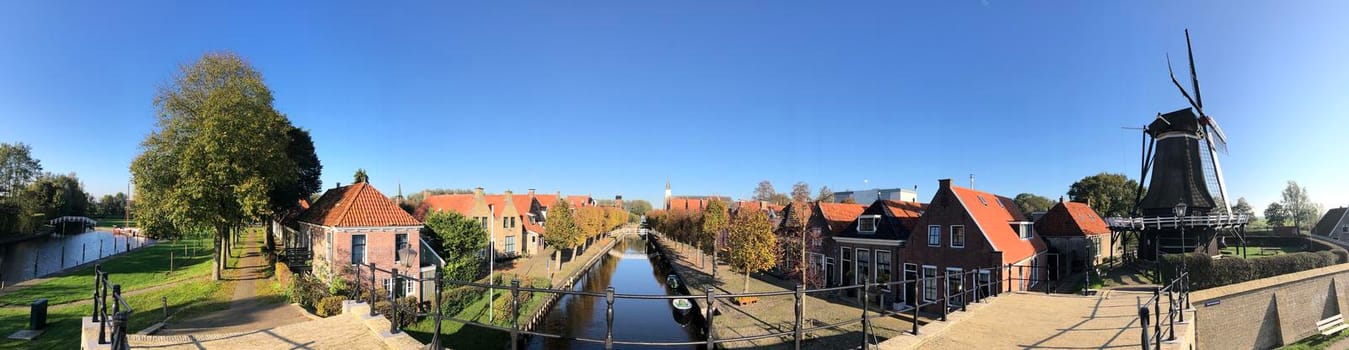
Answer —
(615, 97)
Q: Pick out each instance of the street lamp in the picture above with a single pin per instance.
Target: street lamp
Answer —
(1179, 210)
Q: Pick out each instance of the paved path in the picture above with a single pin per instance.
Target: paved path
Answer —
(247, 311)
(337, 332)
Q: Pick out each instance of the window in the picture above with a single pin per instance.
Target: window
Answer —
(483, 221)
(957, 236)
(883, 273)
(954, 287)
(934, 236)
(1025, 231)
(400, 242)
(1344, 228)
(981, 200)
(357, 249)
(510, 244)
(864, 265)
(845, 258)
(867, 223)
(929, 283)
(409, 287)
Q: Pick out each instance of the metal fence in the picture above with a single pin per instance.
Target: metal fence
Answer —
(963, 288)
(1177, 297)
(121, 311)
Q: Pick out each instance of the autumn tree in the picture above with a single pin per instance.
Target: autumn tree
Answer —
(826, 195)
(752, 243)
(1030, 203)
(591, 222)
(800, 192)
(561, 230)
(458, 240)
(637, 207)
(1109, 194)
(797, 239)
(218, 149)
(715, 220)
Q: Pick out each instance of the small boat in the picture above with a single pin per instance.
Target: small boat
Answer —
(672, 281)
(682, 305)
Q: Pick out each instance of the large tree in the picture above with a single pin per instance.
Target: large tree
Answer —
(715, 221)
(1243, 208)
(753, 245)
(561, 231)
(1030, 203)
(637, 207)
(591, 221)
(765, 191)
(800, 192)
(826, 195)
(306, 182)
(56, 196)
(798, 237)
(218, 150)
(17, 168)
(360, 176)
(1108, 194)
(1298, 206)
(458, 239)
(1276, 215)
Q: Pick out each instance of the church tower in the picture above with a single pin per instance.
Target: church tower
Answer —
(667, 194)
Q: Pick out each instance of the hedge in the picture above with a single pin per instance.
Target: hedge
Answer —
(455, 300)
(1206, 272)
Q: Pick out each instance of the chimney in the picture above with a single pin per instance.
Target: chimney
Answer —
(510, 202)
(1060, 199)
(971, 181)
(531, 193)
(339, 185)
(618, 201)
(477, 192)
(944, 184)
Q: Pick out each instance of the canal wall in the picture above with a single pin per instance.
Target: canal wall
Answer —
(1270, 312)
(567, 283)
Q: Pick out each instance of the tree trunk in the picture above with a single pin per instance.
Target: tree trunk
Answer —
(217, 248)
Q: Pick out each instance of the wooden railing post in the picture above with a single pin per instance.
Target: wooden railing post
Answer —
(1170, 315)
(945, 295)
(866, 322)
(609, 318)
(1157, 316)
(800, 316)
(515, 313)
(1143, 319)
(357, 296)
(963, 300)
(440, 312)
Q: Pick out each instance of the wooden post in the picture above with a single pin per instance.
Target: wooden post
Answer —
(1143, 318)
(515, 313)
(866, 322)
(440, 311)
(373, 289)
(917, 302)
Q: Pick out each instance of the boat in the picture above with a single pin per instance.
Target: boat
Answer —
(672, 281)
(682, 305)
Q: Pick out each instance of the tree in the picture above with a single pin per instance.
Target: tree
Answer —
(1243, 208)
(797, 239)
(305, 182)
(1298, 207)
(826, 195)
(1109, 194)
(752, 243)
(17, 168)
(55, 196)
(561, 230)
(637, 207)
(591, 221)
(1276, 215)
(765, 191)
(800, 192)
(780, 199)
(458, 239)
(1030, 203)
(849, 200)
(360, 177)
(715, 220)
(218, 150)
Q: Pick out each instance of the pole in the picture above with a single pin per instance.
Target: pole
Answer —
(440, 312)
(609, 318)
(866, 322)
(711, 302)
(1143, 318)
(373, 289)
(393, 300)
(515, 313)
(491, 259)
(917, 302)
(800, 316)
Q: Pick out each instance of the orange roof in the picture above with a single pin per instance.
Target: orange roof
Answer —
(356, 205)
(840, 215)
(460, 203)
(688, 204)
(578, 201)
(546, 200)
(994, 215)
(1071, 219)
(907, 212)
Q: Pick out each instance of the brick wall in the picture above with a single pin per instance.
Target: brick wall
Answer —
(1270, 312)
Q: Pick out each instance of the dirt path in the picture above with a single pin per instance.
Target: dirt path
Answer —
(247, 310)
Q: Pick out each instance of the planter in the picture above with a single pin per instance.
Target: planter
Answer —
(742, 301)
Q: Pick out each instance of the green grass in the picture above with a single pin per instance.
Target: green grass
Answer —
(1317, 342)
(1255, 252)
(115, 221)
(455, 335)
(135, 270)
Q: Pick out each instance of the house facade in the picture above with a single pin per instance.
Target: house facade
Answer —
(504, 216)
(965, 230)
(1333, 225)
(356, 224)
(825, 220)
(870, 249)
(1076, 233)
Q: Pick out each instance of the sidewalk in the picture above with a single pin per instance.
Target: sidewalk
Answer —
(247, 311)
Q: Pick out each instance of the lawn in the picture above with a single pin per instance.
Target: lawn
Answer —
(135, 270)
(119, 221)
(1255, 252)
(456, 335)
(1317, 342)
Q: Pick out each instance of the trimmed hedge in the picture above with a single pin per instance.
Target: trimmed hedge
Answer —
(455, 300)
(1206, 272)
(329, 306)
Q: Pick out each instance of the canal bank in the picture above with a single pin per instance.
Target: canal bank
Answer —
(630, 267)
(53, 254)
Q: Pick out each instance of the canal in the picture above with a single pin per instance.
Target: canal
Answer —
(56, 253)
(630, 270)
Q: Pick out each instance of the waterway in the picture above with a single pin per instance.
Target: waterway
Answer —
(57, 253)
(630, 270)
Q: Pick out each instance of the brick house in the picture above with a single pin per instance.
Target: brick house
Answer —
(1075, 232)
(505, 217)
(871, 247)
(824, 222)
(357, 224)
(966, 230)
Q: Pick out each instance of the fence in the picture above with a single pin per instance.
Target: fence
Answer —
(1177, 298)
(956, 296)
(121, 311)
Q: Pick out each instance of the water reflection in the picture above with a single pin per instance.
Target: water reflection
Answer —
(56, 253)
(630, 270)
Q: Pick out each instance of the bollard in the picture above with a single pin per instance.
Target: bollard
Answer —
(83, 248)
(515, 313)
(609, 318)
(800, 316)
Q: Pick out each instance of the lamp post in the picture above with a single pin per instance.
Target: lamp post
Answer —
(1179, 210)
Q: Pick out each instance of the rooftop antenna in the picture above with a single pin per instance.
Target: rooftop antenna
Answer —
(971, 181)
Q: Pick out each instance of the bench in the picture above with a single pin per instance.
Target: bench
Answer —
(1331, 325)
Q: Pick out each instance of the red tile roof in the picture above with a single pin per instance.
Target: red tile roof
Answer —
(459, 203)
(357, 205)
(994, 215)
(578, 201)
(840, 215)
(907, 212)
(1071, 219)
(688, 204)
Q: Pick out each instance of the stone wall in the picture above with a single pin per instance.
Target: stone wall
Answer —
(1270, 312)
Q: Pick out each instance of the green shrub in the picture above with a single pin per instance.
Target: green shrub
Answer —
(1206, 272)
(502, 304)
(455, 300)
(407, 310)
(329, 306)
(306, 290)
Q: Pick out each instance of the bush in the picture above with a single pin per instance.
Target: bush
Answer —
(329, 306)
(407, 310)
(502, 304)
(306, 290)
(1206, 272)
(455, 300)
(283, 274)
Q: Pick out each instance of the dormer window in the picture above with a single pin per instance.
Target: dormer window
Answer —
(867, 224)
(1023, 229)
(981, 200)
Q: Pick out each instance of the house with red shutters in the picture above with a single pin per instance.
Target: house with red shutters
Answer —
(965, 230)
(1076, 233)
